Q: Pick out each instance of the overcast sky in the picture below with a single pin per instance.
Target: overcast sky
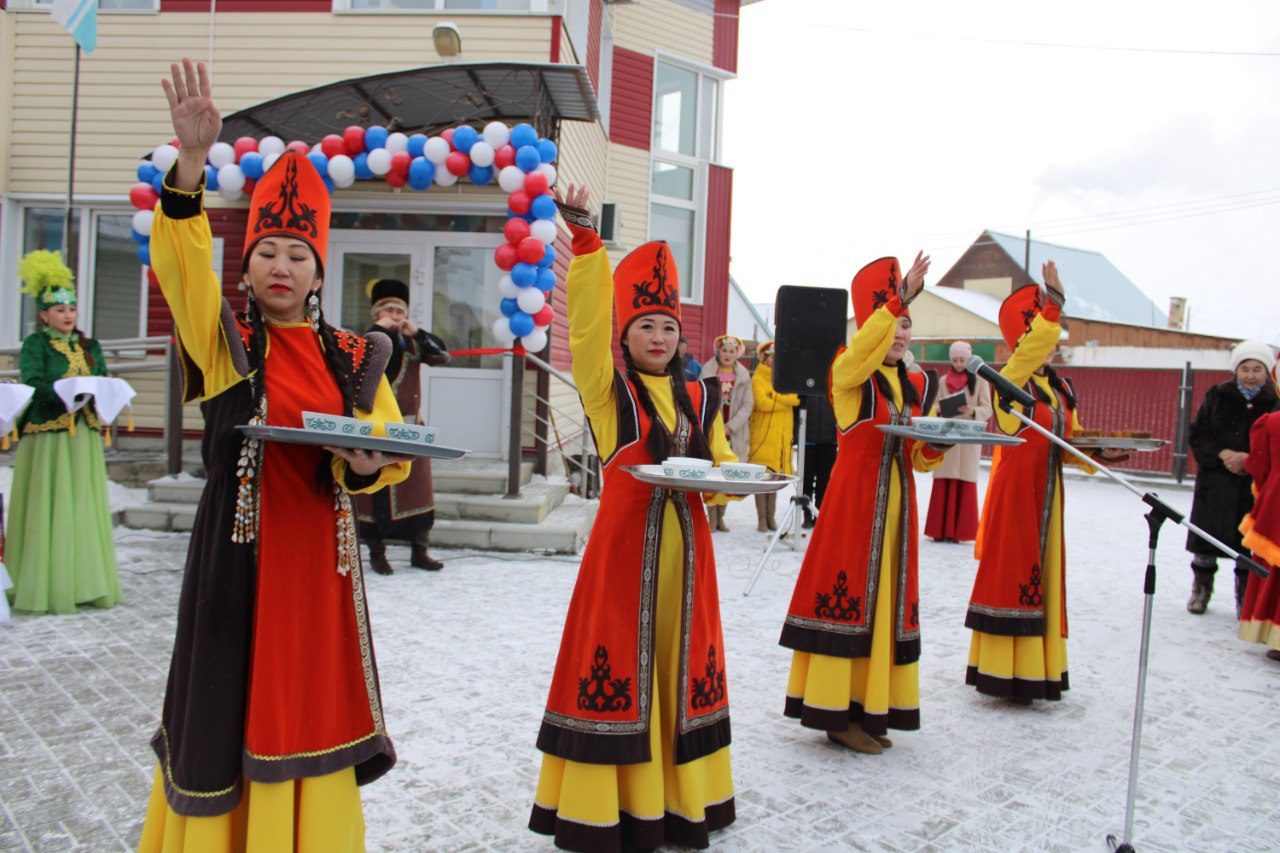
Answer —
(861, 129)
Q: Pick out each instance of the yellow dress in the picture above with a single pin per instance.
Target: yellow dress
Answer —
(601, 795)
(884, 690)
(772, 423)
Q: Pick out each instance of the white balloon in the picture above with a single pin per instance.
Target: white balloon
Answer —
(506, 287)
(482, 154)
(269, 160)
(270, 145)
(220, 154)
(445, 178)
(496, 134)
(379, 161)
(165, 156)
(531, 300)
(511, 179)
(230, 195)
(397, 142)
(230, 178)
(436, 150)
(142, 222)
(536, 341)
(315, 149)
(550, 171)
(502, 331)
(544, 230)
(342, 170)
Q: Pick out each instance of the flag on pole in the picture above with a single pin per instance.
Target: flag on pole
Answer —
(80, 17)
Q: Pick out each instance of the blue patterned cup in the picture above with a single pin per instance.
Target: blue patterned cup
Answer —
(686, 468)
(741, 471)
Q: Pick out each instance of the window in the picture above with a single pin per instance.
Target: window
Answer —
(497, 6)
(118, 283)
(685, 122)
(103, 5)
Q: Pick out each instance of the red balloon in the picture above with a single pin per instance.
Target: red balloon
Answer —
(447, 136)
(505, 256)
(143, 196)
(519, 202)
(515, 229)
(457, 163)
(535, 184)
(249, 184)
(353, 139)
(174, 142)
(504, 157)
(531, 250)
(333, 145)
(244, 145)
(544, 316)
(400, 163)
(396, 179)
(298, 145)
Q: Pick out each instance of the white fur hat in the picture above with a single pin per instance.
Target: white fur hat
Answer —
(1255, 350)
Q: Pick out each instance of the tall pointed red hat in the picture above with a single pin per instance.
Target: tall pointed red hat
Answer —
(874, 286)
(290, 199)
(1018, 310)
(646, 282)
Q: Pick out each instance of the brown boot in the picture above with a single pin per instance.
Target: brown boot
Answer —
(771, 510)
(418, 556)
(762, 504)
(883, 741)
(378, 556)
(857, 740)
(720, 525)
(1273, 654)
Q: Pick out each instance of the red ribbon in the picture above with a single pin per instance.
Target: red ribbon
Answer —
(517, 349)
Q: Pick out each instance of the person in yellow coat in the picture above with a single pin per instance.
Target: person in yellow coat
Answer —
(771, 429)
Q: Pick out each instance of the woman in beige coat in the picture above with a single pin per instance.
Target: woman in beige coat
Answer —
(736, 404)
(953, 506)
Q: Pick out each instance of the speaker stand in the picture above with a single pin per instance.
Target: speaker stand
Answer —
(795, 512)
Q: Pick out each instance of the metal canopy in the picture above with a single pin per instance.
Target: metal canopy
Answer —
(427, 100)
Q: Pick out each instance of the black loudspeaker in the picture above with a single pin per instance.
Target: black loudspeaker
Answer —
(811, 324)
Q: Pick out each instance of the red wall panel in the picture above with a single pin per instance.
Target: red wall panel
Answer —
(724, 45)
(715, 274)
(229, 225)
(594, 22)
(631, 103)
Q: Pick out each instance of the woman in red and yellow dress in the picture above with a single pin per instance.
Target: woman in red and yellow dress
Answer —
(853, 621)
(636, 730)
(1260, 609)
(272, 714)
(1018, 610)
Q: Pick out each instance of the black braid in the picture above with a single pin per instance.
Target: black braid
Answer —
(909, 396)
(699, 448)
(1056, 383)
(257, 351)
(342, 373)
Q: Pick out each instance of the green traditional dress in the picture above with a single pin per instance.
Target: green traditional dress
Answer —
(60, 551)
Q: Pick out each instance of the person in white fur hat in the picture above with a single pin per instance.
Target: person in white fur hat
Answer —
(953, 504)
(1220, 442)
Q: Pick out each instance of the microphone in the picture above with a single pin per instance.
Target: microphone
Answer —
(1009, 393)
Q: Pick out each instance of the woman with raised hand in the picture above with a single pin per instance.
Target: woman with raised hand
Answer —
(636, 729)
(272, 714)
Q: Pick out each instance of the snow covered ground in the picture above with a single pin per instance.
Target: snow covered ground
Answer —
(466, 654)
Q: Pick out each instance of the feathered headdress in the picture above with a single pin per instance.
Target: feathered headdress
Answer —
(47, 278)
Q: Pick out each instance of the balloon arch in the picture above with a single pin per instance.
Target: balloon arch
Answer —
(521, 163)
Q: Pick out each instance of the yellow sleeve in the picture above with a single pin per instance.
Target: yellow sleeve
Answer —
(720, 449)
(767, 399)
(924, 458)
(589, 286)
(182, 258)
(1071, 458)
(854, 366)
(1030, 354)
(385, 409)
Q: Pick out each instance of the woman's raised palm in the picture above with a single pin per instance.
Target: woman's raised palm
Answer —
(195, 117)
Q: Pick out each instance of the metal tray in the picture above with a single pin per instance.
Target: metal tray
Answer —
(951, 437)
(1106, 442)
(715, 483)
(399, 447)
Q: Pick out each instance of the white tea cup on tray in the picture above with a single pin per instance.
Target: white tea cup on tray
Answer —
(686, 467)
(740, 471)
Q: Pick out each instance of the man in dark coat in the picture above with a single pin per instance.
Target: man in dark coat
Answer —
(1220, 442)
(406, 511)
(819, 451)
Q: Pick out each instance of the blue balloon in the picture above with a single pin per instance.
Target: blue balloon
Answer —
(147, 172)
(508, 307)
(421, 173)
(543, 207)
(546, 278)
(522, 135)
(548, 257)
(140, 239)
(524, 275)
(480, 175)
(210, 179)
(464, 137)
(417, 143)
(375, 137)
(361, 161)
(157, 183)
(547, 150)
(527, 158)
(328, 182)
(320, 161)
(144, 255)
(521, 324)
(251, 165)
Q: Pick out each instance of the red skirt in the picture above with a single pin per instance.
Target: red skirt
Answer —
(1260, 612)
(953, 510)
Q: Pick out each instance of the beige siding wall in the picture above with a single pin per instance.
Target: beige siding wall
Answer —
(663, 25)
(629, 188)
(6, 94)
(934, 317)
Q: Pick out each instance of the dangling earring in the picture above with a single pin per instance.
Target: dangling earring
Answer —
(313, 311)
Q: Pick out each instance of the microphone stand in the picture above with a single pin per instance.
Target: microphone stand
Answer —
(1156, 517)
(799, 501)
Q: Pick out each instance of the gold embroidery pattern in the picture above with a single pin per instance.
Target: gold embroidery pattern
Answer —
(314, 753)
(62, 423)
(74, 356)
(366, 647)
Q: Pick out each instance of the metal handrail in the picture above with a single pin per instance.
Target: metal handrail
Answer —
(582, 430)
